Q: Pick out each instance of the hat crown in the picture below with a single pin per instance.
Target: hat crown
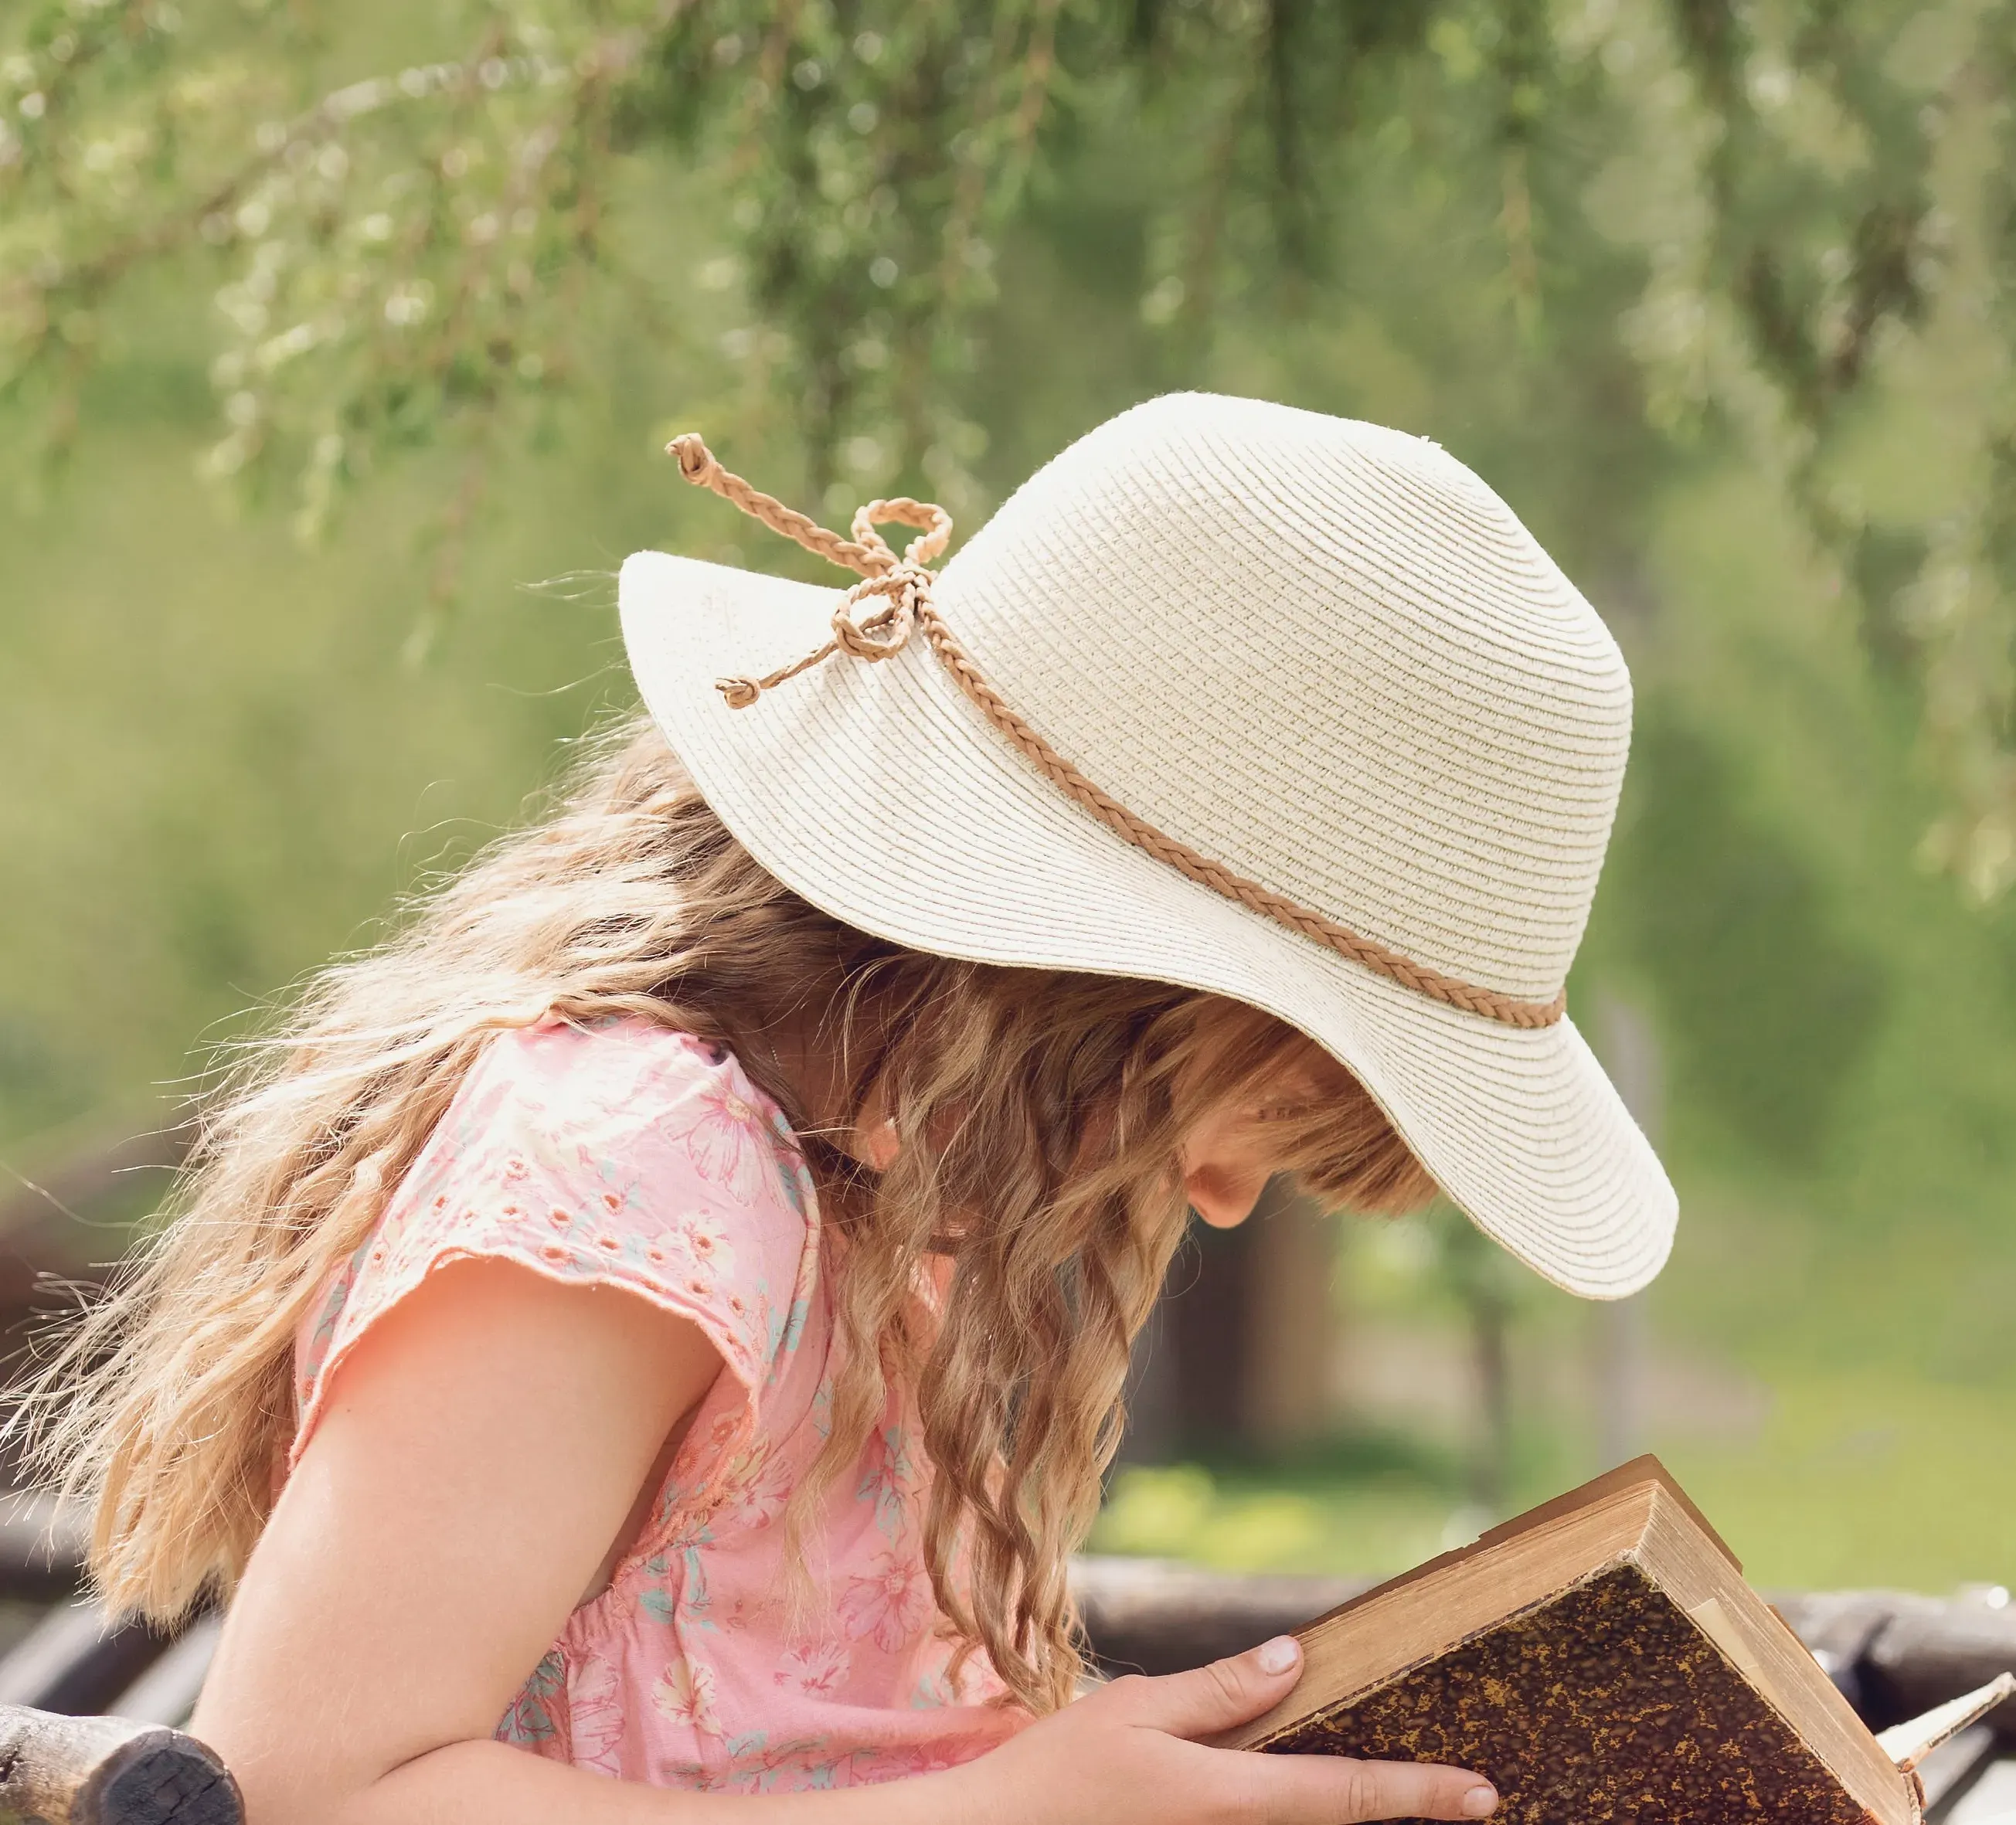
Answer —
(1325, 654)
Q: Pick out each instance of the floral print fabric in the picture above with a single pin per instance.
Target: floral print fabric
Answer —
(630, 1155)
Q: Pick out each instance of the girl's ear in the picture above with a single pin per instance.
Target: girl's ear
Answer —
(1225, 1195)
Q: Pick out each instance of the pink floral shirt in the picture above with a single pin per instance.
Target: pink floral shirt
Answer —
(630, 1155)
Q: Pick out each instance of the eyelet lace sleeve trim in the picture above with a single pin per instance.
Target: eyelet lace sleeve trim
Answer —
(624, 1155)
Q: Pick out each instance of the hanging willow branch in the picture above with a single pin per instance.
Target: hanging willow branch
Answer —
(1823, 254)
(417, 253)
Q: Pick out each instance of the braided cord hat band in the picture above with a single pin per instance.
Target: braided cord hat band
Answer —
(903, 586)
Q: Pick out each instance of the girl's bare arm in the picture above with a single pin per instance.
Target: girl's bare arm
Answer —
(482, 1450)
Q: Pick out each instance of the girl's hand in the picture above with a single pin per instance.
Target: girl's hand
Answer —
(1126, 1755)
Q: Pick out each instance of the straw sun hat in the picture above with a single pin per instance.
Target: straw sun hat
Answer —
(1286, 708)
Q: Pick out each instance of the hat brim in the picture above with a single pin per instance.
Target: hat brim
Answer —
(882, 796)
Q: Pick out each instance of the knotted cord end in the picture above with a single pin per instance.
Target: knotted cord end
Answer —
(738, 692)
(692, 455)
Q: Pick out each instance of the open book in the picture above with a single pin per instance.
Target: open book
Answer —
(1601, 1659)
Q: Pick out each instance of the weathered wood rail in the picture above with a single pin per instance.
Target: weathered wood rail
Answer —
(1893, 1654)
(56, 1770)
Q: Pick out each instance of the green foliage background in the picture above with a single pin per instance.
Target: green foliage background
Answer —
(337, 346)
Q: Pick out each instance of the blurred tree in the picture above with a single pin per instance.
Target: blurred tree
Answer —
(1486, 1286)
(1736, 937)
(1716, 220)
(1240, 1357)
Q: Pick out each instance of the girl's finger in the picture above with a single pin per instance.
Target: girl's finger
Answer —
(1327, 1790)
(1212, 1698)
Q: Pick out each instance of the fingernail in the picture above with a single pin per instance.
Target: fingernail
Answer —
(1478, 1802)
(1280, 1654)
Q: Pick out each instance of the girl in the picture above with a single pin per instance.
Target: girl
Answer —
(674, 1300)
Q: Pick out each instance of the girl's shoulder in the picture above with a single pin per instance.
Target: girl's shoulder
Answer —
(560, 1072)
(623, 1154)
(638, 1117)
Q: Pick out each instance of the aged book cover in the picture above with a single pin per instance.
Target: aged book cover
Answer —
(1599, 1659)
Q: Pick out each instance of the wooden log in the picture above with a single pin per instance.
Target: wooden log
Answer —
(41, 1546)
(1154, 1616)
(86, 1174)
(108, 1771)
(1837, 1627)
(167, 1692)
(1929, 1651)
(54, 1245)
(76, 1659)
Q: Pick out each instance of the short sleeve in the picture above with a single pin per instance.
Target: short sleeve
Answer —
(622, 1155)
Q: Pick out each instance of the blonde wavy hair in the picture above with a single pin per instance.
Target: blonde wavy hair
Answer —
(1040, 1116)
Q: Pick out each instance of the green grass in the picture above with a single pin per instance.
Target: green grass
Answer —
(1292, 1521)
(1854, 1398)
(1856, 1480)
